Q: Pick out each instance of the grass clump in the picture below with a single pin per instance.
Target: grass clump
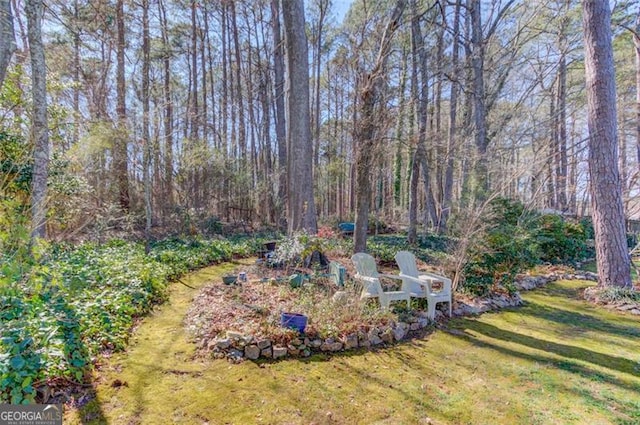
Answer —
(613, 295)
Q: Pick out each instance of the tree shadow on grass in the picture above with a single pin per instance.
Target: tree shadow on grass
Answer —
(625, 409)
(430, 405)
(560, 290)
(579, 320)
(605, 361)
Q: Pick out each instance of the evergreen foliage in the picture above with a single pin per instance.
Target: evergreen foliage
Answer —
(516, 239)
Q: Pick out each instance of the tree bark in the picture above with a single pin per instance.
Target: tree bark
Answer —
(323, 5)
(447, 196)
(194, 113)
(168, 110)
(301, 204)
(39, 127)
(120, 161)
(561, 185)
(636, 44)
(146, 138)
(76, 73)
(481, 190)
(612, 257)
(280, 122)
(242, 137)
(7, 38)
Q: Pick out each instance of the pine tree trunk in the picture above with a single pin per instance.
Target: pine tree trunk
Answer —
(612, 257)
(39, 127)
(479, 107)
(561, 186)
(447, 196)
(146, 138)
(168, 113)
(636, 44)
(7, 38)
(242, 137)
(120, 155)
(280, 123)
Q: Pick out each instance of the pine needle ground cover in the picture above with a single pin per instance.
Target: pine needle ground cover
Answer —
(557, 360)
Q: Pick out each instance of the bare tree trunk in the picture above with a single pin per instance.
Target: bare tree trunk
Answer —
(397, 182)
(225, 90)
(553, 157)
(636, 44)
(419, 99)
(242, 137)
(479, 106)
(561, 186)
(573, 171)
(323, 5)
(447, 197)
(213, 96)
(203, 71)
(367, 127)
(146, 139)
(120, 161)
(39, 127)
(280, 122)
(301, 204)
(168, 111)
(7, 38)
(612, 257)
(194, 113)
(76, 74)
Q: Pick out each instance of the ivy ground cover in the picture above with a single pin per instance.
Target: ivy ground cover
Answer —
(56, 316)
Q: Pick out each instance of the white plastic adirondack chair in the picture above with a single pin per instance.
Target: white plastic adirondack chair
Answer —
(421, 284)
(367, 274)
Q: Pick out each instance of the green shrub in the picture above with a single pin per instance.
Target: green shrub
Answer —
(385, 247)
(502, 251)
(558, 240)
(515, 240)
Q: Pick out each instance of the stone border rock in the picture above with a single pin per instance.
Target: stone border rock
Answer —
(527, 283)
(237, 347)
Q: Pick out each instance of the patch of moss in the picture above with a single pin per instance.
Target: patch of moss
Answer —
(555, 360)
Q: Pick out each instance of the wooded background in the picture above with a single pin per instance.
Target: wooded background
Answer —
(185, 107)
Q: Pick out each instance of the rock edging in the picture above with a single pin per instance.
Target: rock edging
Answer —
(236, 347)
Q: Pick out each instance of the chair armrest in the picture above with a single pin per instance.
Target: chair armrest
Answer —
(390, 276)
(414, 279)
(446, 282)
(369, 279)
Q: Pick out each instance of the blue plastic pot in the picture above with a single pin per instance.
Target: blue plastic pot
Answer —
(294, 321)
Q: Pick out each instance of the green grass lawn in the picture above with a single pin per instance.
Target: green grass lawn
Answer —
(556, 360)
